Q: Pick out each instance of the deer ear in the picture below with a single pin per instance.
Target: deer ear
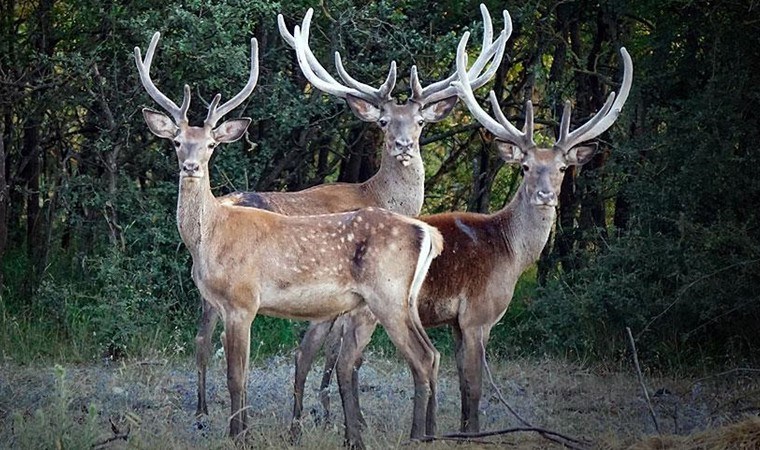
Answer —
(509, 152)
(160, 124)
(582, 154)
(439, 110)
(231, 130)
(363, 109)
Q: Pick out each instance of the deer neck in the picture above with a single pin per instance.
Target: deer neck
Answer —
(195, 210)
(397, 187)
(525, 227)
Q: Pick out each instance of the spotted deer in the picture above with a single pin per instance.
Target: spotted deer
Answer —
(249, 261)
(470, 285)
(398, 184)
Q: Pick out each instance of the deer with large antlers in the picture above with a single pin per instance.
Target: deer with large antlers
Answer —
(397, 186)
(470, 285)
(248, 261)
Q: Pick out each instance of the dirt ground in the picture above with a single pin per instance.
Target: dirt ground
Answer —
(150, 403)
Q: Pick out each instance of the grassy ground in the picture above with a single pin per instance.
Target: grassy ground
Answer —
(151, 403)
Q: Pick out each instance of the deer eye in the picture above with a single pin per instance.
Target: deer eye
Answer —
(563, 169)
(383, 122)
(176, 143)
(211, 145)
(421, 122)
(525, 168)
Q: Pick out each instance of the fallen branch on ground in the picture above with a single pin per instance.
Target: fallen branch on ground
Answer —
(641, 379)
(553, 436)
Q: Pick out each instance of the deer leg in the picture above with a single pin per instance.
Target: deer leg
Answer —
(432, 406)
(421, 359)
(312, 340)
(203, 347)
(334, 342)
(471, 377)
(357, 332)
(237, 344)
(361, 327)
(459, 357)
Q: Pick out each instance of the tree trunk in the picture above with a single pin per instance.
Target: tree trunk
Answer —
(3, 203)
(360, 163)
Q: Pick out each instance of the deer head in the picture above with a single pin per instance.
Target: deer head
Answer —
(402, 123)
(194, 145)
(543, 167)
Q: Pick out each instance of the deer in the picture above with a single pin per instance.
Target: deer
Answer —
(470, 285)
(249, 261)
(397, 186)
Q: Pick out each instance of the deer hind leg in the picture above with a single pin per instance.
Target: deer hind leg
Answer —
(203, 347)
(421, 357)
(312, 340)
(237, 344)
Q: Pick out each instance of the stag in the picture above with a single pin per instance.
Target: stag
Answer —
(248, 261)
(470, 285)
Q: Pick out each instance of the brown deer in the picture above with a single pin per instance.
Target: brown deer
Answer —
(248, 261)
(470, 285)
(399, 183)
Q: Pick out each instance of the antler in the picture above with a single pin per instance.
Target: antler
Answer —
(179, 114)
(504, 130)
(215, 113)
(603, 119)
(500, 127)
(490, 51)
(321, 78)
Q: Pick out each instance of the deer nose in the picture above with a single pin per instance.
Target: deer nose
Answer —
(546, 196)
(404, 144)
(190, 167)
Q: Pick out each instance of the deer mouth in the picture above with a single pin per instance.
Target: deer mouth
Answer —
(546, 205)
(404, 158)
(190, 176)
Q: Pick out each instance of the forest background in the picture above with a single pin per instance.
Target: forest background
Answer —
(659, 233)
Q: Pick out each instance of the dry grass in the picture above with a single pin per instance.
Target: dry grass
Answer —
(152, 402)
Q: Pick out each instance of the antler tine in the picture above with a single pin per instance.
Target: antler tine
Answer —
(179, 114)
(383, 93)
(291, 41)
(214, 113)
(564, 126)
(522, 138)
(606, 116)
(502, 128)
(490, 51)
(414, 82)
(320, 78)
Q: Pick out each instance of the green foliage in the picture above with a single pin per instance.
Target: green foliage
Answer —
(100, 271)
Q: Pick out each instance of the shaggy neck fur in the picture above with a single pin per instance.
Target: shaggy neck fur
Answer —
(399, 188)
(195, 208)
(525, 227)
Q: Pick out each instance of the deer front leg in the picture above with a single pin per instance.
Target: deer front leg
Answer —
(358, 332)
(470, 366)
(312, 340)
(237, 343)
(203, 347)
(333, 345)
